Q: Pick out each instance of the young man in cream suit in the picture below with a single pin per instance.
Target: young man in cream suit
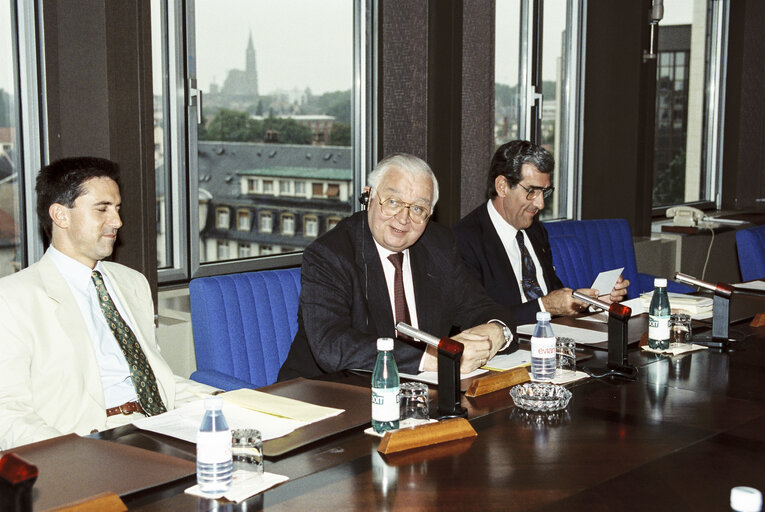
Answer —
(62, 369)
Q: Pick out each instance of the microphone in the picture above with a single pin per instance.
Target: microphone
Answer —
(417, 334)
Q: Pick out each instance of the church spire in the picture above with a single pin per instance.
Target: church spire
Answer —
(251, 69)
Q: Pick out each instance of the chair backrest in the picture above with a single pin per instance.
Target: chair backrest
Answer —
(571, 262)
(244, 323)
(750, 244)
(607, 244)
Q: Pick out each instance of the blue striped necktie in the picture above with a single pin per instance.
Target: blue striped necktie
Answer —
(529, 278)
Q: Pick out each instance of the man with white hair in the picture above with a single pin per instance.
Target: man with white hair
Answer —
(389, 264)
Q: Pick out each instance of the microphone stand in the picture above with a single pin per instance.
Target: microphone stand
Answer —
(618, 318)
(719, 338)
(449, 358)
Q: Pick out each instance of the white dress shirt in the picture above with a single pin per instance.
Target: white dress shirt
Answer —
(115, 373)
(507, 234)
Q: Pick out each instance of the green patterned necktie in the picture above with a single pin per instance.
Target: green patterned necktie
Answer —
(143, 376)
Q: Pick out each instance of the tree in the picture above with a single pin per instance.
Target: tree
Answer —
(290, 132)
(670, 183)
(340, 135)
(231, 125)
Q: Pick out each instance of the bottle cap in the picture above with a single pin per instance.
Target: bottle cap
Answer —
(660, 282)
(543, 316)
(385, 344)
(745, 499)
(213, 403)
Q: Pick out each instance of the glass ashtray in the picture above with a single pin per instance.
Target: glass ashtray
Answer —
(540, 396)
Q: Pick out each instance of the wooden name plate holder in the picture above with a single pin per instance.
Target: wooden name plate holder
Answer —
(426, 435)
(498, 380)
(758, 320)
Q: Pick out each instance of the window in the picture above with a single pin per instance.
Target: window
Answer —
(317, 189)
(245, 123)
(536, 92)
(333, 190)
(689, 100)
(288, 224)
(266, 222)
(244, 250)
(266, 249)
(243, 220)
(310, 226)
(222, 249)
(332, 222)
(221, 215)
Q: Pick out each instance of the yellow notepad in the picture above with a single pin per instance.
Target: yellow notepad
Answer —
(279, 405)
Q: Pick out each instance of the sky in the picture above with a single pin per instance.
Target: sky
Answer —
(298, 43)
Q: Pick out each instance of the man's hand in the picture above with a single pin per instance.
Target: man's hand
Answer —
(477, 350)
(619, 292)
(495, 333)
(561, 302)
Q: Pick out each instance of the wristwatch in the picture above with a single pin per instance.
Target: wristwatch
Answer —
(506, 332)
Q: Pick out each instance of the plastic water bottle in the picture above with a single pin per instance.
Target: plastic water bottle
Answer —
(385, 388)
(543, 348)
(214, 463)
(658, 316)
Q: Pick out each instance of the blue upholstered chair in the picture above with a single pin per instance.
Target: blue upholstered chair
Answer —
(750, 244)
(243, 326)
(604, 244)
(571, 262)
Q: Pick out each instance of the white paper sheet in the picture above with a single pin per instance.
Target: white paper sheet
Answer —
(754, 285)
(578, 334)
(605, 281)
(183, 422)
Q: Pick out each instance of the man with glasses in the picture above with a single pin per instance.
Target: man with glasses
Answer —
(385, 265)
(504, 244)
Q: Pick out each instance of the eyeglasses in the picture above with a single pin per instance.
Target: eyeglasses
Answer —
(533, 192)
(391, 207)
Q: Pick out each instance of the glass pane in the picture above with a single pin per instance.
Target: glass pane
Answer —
(553, 91)
(507, 103)
(162, 159)
(275, 137)
(679, 172)
(11, 247)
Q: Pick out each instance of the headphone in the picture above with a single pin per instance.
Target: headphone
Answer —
(364, 200)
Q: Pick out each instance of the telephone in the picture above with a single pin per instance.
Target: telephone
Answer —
(685, 216)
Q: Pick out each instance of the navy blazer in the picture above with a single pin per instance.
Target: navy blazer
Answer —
(344, 303)
(485, 256)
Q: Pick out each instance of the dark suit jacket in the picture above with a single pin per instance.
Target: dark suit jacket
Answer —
(344, 303)
(485, 256)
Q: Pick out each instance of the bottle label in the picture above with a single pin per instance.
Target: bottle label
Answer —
(214, 447)
(543, 348)
(658, 327)
(385, 404)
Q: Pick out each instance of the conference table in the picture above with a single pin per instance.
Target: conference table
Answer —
(678, 437)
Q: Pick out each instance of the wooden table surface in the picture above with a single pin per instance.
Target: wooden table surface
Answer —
(677, 438)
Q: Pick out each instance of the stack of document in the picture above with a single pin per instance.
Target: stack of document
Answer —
(274, 416)
(696, 306)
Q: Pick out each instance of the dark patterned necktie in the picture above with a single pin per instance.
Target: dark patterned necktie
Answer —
(529, 278)
(141, 373)
(399, 296)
